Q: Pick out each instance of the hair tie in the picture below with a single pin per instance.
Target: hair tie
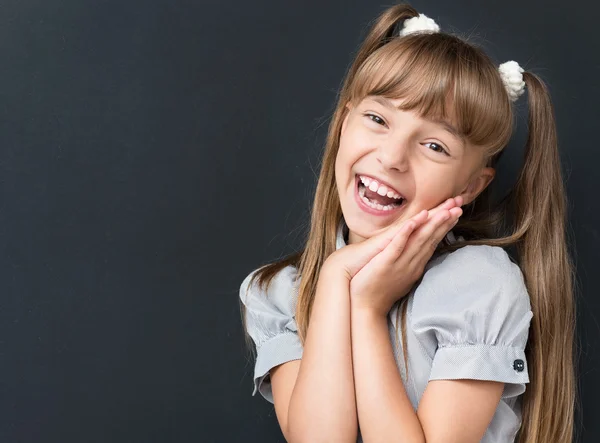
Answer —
(512, 77)
(420, 23)
(510, 72)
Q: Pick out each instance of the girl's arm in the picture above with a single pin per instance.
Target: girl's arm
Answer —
(384, 409)
(322, 407)
(449, 410)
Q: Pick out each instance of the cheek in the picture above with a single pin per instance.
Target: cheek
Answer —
(344, 158)
(353, 146)
(433, 188)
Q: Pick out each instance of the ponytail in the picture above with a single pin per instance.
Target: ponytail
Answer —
(382, 30)
(540, 235)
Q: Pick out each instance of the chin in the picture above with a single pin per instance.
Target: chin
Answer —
(364, 230)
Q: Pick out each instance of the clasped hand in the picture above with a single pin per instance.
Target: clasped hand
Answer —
(382, 269)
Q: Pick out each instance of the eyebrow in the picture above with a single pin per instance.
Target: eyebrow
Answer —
(387, 103)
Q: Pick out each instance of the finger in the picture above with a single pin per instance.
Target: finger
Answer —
(398, 244)
(437, 233)
(448, 204)
(420, 218)
(364, 252)
(395, 227)
(423, 241)
(417, 220)
(380, 241)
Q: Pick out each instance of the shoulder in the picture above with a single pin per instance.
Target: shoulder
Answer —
(473, 268)
(475, 281)
(280, 294)
(483, 258)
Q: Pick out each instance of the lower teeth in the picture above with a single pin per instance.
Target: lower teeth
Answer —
(361, 193)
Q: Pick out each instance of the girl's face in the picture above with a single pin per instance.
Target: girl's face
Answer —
(421, 160)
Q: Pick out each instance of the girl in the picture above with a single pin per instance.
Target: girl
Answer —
(403, 235)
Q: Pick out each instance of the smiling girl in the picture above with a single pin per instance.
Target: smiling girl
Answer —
(404, 236)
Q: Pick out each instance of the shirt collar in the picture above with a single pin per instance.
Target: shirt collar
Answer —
(342, 235)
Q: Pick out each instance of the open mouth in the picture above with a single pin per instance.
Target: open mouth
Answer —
(374, 203)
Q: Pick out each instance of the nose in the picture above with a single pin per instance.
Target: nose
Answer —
(394, 154)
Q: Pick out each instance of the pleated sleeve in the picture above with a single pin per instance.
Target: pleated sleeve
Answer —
(270, 321)
(474, 304)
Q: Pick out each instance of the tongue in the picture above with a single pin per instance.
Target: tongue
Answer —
(381, 199)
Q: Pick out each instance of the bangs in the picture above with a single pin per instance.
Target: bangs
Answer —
(441, 77)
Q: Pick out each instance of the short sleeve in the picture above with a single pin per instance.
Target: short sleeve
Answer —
(474, 303)
(270, 321)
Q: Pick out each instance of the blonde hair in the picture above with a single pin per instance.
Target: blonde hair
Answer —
(426, 71)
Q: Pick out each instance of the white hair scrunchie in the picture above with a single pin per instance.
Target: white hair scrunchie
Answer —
(421, 23)
(512, 76)
(510, 72)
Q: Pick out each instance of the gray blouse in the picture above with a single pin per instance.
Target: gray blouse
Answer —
(468, 318)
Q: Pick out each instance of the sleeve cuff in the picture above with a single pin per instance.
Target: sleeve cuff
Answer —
(279, 349)
(483, 362)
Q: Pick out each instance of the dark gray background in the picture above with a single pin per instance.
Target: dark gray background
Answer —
(153, 153)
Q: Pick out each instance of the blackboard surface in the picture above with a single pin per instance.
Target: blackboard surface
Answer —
(152, 153)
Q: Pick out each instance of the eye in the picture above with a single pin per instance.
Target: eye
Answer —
(441, 151)
(379, 119)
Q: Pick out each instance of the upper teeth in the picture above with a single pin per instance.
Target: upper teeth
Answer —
(374, 186)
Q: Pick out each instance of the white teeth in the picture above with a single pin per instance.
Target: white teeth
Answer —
(374, 186)
(374, 205)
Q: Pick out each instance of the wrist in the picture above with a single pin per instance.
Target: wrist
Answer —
(332, 281)
(358, 310)
(332, 271)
